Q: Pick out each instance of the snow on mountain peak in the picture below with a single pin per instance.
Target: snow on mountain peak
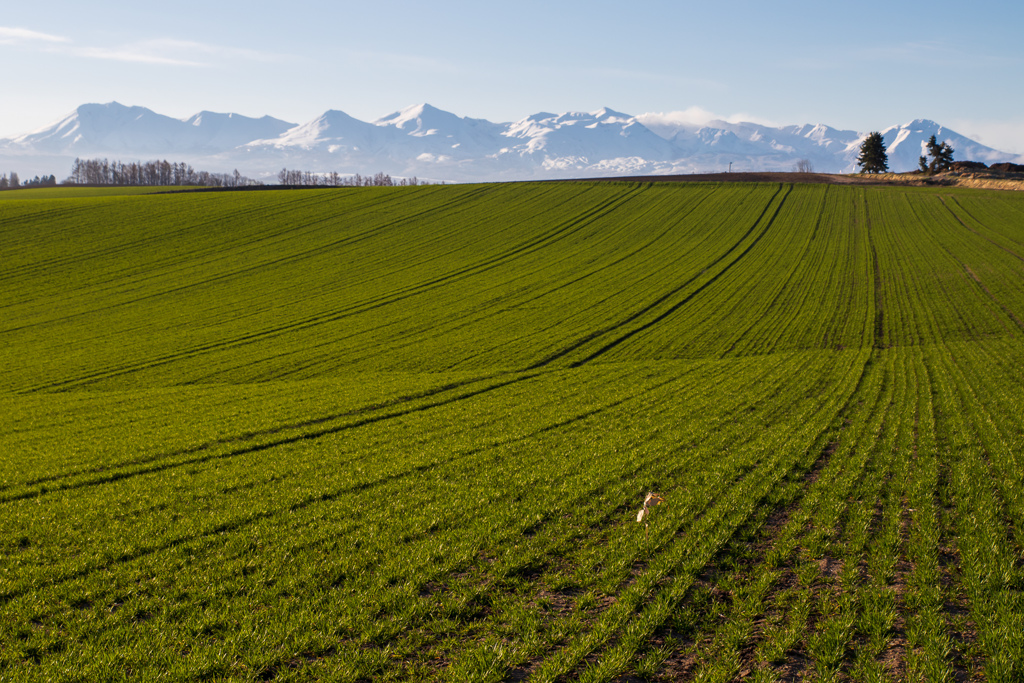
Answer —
(332, 126)
(113, 128)
(429, 142)
(437, 134)
(606, 115)
(419, 120)
(921, 123)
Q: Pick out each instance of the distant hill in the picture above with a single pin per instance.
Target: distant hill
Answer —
(428, 142)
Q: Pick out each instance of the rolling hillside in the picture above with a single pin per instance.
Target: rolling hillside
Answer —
(404, 434)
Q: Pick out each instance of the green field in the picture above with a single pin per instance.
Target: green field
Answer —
(79, 192)
(404, 434)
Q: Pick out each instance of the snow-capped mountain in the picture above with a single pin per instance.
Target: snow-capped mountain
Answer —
(428, 142)
(421, 136)
(334, 132)
(907, 143)
(434, 131)
(212, 131)
(588, 137)
(113, 128)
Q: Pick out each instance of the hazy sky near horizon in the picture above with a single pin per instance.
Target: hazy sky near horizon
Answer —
(862, 66)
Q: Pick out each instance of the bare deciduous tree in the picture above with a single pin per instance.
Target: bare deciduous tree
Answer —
(103, 172)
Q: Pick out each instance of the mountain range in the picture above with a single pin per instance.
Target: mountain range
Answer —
(430, 143)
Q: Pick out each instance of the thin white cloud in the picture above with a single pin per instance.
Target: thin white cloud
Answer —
(162, 51)
(743, 117)
(172, 52)
(131, 54)
(12, 36)
(691, 117)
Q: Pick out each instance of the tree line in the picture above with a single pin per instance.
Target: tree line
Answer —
(333, 179)
(150, 173)
(165, 173)
(13, 182)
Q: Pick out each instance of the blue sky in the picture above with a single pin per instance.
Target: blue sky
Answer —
(862, 66)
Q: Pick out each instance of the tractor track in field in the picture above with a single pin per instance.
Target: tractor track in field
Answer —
(1007, 311)
(561, 232)
(619, 325)
(306, 436)
(961, 222)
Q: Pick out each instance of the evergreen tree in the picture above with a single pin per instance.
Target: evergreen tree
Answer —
(873, 158)
(941, 154)
(946, 156)
(934, 149)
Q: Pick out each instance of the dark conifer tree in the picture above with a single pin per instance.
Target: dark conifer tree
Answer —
(873, 158)
(933, 151)
(941, 154)
(944, 161)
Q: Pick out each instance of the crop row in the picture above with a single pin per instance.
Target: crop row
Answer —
(403, 433)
